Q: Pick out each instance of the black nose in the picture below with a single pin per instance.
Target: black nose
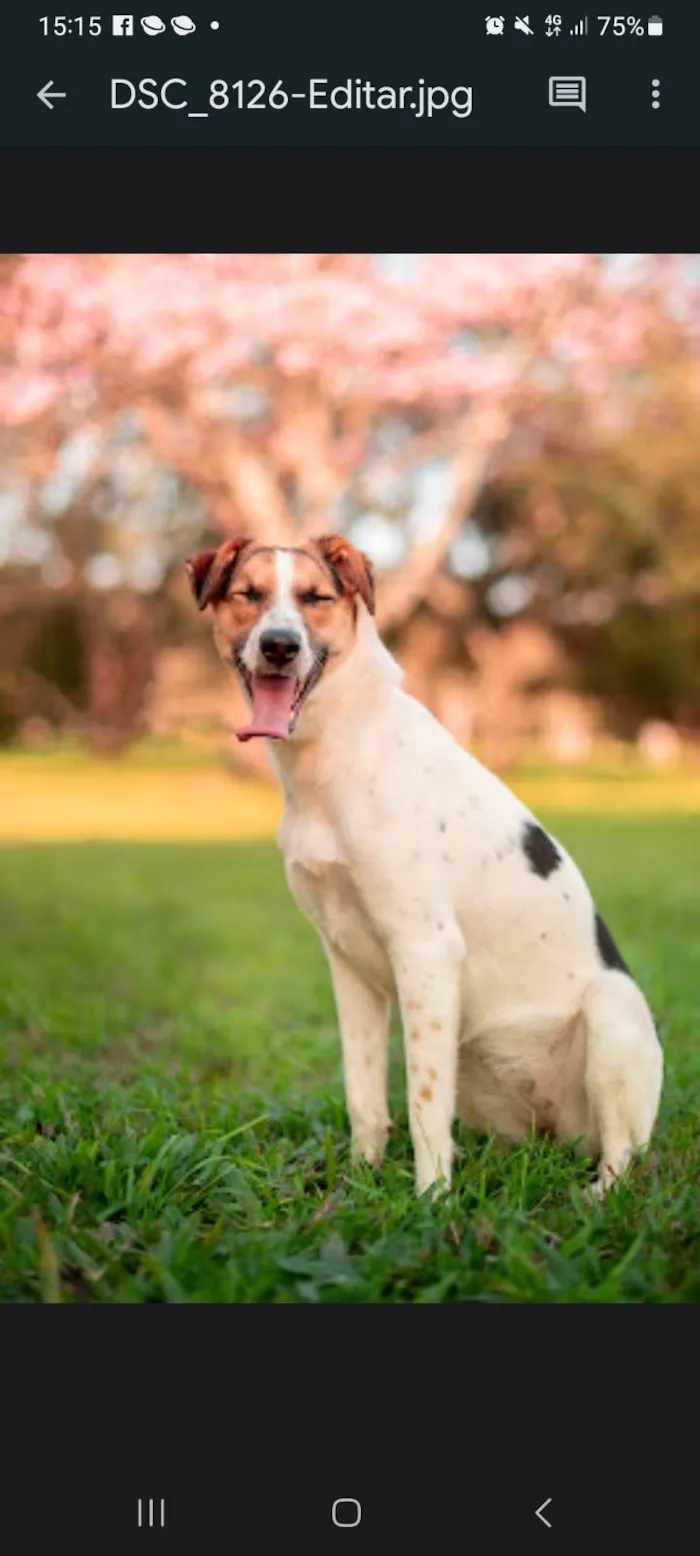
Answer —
(280, 647)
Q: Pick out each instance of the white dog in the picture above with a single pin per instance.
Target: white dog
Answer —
(429, 883)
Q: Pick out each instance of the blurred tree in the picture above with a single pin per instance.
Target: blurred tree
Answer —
(519, 421)
(600, 529)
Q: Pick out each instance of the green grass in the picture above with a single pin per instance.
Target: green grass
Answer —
(172, 1125)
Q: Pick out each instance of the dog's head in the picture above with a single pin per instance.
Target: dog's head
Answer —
(284, 618)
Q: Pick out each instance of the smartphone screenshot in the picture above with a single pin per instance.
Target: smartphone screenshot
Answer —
(349, 779)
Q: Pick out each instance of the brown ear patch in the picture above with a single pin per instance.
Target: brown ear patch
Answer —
(210, 572)
(352, 570)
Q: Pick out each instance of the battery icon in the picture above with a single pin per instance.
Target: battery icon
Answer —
(655, 27)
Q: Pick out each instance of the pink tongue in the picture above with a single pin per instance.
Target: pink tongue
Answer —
(273, 696)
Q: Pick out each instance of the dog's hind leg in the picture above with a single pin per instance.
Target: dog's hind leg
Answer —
(622, 1073)
(363, 1017)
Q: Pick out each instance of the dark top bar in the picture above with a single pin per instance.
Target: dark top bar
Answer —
(268, 80)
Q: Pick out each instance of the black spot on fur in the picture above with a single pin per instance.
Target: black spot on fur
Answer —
(541, 853)
(609, 954)
(443, 826)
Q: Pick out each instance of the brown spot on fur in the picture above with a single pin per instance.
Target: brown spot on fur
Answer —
(436, 1026)
(432, 1073)
(415, 1034)
(369, 1061)
(414, 1005)
(426, 1093)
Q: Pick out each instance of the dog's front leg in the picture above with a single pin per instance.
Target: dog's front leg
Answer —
(428, 984)
(363, 1017)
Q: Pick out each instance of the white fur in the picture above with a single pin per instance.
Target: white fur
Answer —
(407, 855)
(283, 612)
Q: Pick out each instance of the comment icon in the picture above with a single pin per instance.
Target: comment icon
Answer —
(567, 92)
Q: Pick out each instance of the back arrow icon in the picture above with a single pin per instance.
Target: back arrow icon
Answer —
(46, 94)
(539, 1513)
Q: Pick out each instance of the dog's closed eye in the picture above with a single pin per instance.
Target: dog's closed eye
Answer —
(312, 597)
(251, 593)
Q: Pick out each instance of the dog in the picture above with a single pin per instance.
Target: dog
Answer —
(429, 883)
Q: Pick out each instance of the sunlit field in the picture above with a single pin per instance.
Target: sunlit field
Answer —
(172, 1126)
(163, 790)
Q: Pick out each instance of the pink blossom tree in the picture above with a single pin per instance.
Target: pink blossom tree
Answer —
(298, 392)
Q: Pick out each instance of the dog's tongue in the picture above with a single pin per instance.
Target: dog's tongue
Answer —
(273, 696)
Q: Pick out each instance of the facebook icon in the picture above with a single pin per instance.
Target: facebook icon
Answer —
(123, 26)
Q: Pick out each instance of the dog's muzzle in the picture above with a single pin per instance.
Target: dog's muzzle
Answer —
(276, 689)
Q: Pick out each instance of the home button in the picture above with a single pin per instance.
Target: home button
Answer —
(346, 1513)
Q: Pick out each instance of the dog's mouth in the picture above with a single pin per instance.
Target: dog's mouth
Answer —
(277, 699)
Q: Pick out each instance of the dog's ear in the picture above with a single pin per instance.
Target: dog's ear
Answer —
(210, 572)
(351, 569)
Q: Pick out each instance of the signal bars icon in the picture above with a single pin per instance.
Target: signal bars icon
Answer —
(150, 1514)
(580, 30)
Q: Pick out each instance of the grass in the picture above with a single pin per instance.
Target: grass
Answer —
(172, 1125)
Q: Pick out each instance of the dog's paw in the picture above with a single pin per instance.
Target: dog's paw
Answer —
(432, 1188)
(369, 1145)
(606, 1180)
(594, 1193)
